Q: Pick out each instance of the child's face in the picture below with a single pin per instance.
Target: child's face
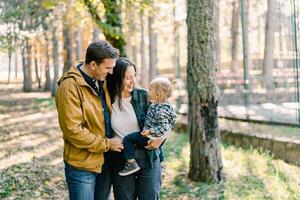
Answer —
(153, 96)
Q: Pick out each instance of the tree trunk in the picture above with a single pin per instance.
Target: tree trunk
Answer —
(269, 44)
(144, 74)
(96, 33)
(16, 53)
(176, 41)
(235, 35)
(16, 64)
(9, 65)
(55, 62)
(37, 75)
(152, 49)
(26, 58)
(79, 43)
(205, 159)
(47, 65)
(218, 41)
(68, 41)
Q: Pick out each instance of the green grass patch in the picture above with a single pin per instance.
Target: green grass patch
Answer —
(44, 103)
(250, 174)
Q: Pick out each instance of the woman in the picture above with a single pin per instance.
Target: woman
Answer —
(129, 109)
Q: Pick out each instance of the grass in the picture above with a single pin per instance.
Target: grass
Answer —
(263, 129)
(44, 103)
(249, 174)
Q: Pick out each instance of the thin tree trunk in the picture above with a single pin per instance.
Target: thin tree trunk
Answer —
(26, 58)
(79, 43)
(235, 35)
(16, 64)
(55, 62)
(68, 40)
(134, 53)
(269, 45)
(144, 74)
(176, 41)
(9, 66)
(96, 33)
(205, 159)
(37, 75)
(16, 53)
(218, 35)
(47, 65)
(152, 49)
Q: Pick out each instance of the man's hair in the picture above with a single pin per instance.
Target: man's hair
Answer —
(100, 50)
(163, 87)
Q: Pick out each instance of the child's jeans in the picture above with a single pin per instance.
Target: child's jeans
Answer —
(136, 138)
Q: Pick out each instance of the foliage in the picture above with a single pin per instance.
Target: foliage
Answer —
(111, 26)
(249, 174)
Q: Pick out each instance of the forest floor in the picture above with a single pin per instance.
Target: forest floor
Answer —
(31, 164)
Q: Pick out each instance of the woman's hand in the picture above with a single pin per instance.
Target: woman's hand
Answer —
(154, 144)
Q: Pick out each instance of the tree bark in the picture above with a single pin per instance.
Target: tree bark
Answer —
(9, 66)
(26, 59)
(205, 160)
(16, 63)
(79, 43)
(47, 65)
(235, 35)
(96, 33)
(144, 74)
(55, 61)
(68, 40)
(37, 75)
(269, 44)
(152, 49)
(176, 41)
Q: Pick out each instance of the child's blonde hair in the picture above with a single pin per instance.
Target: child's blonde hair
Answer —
(163, 87)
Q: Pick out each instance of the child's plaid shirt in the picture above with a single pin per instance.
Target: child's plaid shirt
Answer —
(160, 119)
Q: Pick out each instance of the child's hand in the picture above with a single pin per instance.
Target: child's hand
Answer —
(145, 133)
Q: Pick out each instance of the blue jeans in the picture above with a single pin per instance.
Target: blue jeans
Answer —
(144, 185)
(130, 141)
(136, 138)
(85, 185)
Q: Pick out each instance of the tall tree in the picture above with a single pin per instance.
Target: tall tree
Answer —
(47, 64)
(235, 35)
(269, 44)
(55, 61)
(176, 42)
(152, 48)
(36, 56)
(68, 38)
(205, 159)
(144, 70)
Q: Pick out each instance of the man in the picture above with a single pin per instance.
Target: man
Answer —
(84, 107)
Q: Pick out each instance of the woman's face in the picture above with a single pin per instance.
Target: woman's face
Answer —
(128, 82)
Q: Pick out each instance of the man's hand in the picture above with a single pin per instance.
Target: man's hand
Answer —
(154, 144)
(145, 133)
(116, 144)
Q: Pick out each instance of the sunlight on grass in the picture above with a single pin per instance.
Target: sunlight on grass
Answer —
(261, 129)
(250, 174)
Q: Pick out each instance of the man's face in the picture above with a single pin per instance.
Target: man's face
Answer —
(100, 71)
